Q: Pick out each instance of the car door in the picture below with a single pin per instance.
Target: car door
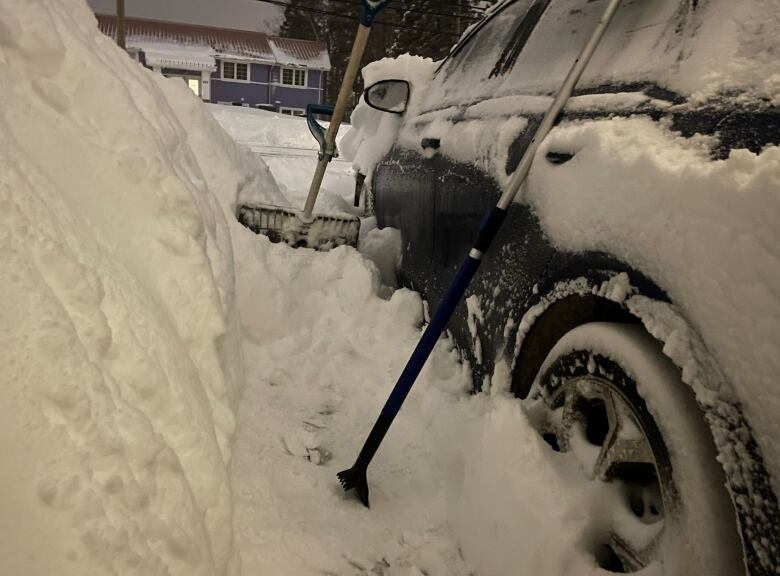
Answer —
(433, 186)
(462, 144)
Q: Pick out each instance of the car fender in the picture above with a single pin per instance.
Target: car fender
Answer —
(595, 288)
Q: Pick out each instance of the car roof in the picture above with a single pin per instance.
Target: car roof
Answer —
(689, 48)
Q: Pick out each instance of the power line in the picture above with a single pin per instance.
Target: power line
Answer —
(396, 25)
(402, 8)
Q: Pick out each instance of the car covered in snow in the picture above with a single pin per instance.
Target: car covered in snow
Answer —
(631, 298)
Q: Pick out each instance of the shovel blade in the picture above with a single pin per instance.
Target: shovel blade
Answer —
(281, 224)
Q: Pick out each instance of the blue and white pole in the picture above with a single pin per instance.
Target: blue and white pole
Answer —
(355, 477)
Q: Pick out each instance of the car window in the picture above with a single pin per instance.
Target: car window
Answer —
(640, 45)
(528, 46)
(477, 54)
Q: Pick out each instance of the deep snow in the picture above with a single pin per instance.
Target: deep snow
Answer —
(178, 393)
(120, 355)
(290, 151)
(704, 230)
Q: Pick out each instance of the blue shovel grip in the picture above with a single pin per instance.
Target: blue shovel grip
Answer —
(487, 232)
(369, 9)
(316, 129)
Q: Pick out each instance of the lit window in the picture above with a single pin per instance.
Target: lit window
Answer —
(194, 85)
(235, 71)
(293, 77)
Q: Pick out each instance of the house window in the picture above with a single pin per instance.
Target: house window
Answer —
(235, 71)
(194, 84)
(294, 76)
(292, 111)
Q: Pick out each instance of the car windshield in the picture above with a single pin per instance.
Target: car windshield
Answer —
(527, 47)
(480, 50)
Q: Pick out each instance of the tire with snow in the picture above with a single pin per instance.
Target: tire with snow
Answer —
(608, 397)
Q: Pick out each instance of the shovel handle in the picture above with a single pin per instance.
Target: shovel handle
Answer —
(487, 231)
(454, 294)
(368, 11)
(338, 113)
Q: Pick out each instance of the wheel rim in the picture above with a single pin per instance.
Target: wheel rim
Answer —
(616, 442)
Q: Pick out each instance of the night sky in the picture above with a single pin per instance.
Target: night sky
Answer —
(242, 14)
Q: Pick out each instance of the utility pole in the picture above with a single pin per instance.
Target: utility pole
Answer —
(120, 24)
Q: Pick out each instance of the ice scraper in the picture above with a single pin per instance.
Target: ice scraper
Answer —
(355, 477)
(305, 228)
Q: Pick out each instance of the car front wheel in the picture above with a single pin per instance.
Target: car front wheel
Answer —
(607, 397)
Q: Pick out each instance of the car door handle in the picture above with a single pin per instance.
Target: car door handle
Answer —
(431, 143)
(559, 157)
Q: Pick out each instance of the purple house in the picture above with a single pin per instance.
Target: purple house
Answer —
(230, 66)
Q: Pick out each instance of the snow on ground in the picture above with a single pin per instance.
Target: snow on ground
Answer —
(462, 485)
(286, 145)
(450, 486)
(322, 353)
(159, 360)
(122, 369)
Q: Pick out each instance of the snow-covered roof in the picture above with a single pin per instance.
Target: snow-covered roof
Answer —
(170, 55)
(189, 44)
(291, 52)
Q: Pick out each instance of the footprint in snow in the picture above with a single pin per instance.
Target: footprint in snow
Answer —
(305, 442)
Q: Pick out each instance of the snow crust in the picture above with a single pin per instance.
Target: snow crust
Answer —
(119, 342)
(321, 360)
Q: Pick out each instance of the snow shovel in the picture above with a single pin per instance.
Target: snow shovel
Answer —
(355, 477)
(304, 228)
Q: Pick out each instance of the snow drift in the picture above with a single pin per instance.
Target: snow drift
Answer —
(119, 350)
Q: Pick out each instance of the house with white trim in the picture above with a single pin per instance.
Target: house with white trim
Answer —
(228, 66)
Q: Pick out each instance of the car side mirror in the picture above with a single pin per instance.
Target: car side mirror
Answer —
(388, 96)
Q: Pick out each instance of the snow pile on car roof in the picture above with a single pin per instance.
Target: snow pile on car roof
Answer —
(119, 351)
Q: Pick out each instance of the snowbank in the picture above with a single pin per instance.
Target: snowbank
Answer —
(263, 128)
(320, 363)
(119, 351)
(290, 151)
